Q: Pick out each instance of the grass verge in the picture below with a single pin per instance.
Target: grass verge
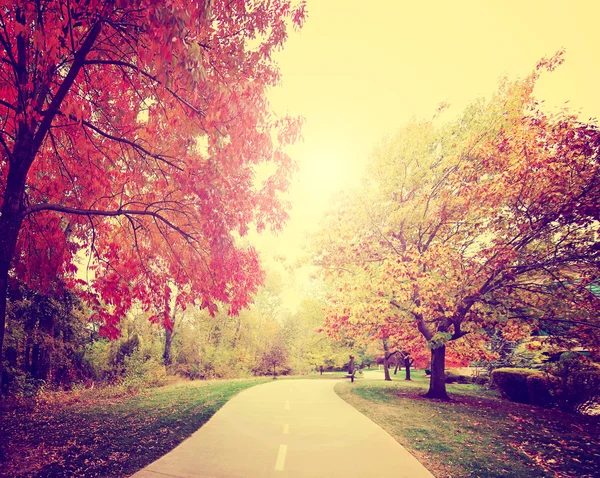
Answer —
(478, 434)
(107, 436)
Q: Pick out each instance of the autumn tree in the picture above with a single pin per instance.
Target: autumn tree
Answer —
(130, 133)
(489, 220)
(356, 308)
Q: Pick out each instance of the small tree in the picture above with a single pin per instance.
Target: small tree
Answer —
(275, 355)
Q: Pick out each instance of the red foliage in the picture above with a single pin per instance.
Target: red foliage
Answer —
(131, 133)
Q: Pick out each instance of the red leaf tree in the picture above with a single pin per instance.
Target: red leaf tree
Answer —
(130, 134)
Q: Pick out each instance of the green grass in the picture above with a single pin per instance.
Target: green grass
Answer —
(478, 434)
(108, 436)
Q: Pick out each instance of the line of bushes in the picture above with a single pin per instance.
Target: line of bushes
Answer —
(572, 384)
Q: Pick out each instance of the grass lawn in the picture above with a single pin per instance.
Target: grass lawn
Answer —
(95, 436)
(477, 434)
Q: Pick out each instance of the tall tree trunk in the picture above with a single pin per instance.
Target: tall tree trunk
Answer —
(10, 224)
(26, 364)
(437, 385)
(27, 144)
(407, 364)
(46, 346)
(236, 335)
(386, 359)
(397, 365)
(386, 368)
(167, 360)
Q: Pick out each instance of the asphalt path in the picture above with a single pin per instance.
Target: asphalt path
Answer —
(288, 428)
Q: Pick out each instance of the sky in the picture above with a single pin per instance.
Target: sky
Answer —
(358, 71)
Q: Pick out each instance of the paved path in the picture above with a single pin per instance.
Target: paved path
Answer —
(288, 428)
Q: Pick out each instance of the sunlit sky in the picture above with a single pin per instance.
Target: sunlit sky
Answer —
(360, 70)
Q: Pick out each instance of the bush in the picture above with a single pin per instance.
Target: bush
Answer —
(187, 370)
(454, 377)
(22, 384)
(577, 383)
(142, 372)
(512, 382)
(541, 390)
(573, 384)
(481, 380)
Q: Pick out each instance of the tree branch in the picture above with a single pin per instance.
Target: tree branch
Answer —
(65, 86)
(98, 212)
(149, 76)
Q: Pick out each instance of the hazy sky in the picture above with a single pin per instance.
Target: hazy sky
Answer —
(359, 70)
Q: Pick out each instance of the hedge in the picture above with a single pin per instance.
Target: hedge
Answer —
(512, 382)
(541, 390)
(570, 389)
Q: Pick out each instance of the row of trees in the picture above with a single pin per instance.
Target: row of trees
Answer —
(51, 342)
(490, 221)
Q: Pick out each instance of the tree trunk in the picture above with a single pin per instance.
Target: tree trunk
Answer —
(237, 332)
(10, 224)
(437, 385)
(407, 364)
(167, 351)
(26, 364)
(46, 346)
(26, 146)
(386, 361)
(386, 368)
(167, 359)
(273, 370)
(397, 365)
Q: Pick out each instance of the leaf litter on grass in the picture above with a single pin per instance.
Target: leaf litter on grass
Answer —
(116, 437)
(483, 432)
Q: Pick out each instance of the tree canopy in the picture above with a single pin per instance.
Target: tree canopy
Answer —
(488, 220)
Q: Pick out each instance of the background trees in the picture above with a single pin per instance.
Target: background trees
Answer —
(130, 132)
(489, 220)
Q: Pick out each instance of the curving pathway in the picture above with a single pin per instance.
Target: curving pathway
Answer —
(288, 428)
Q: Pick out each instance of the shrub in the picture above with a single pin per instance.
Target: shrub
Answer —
(541, 390)
(453, 376)
(23, 385)
(580, 392)
(577, 383)
(512, 382)
(187, 370)
(142, 372)
(573, 384)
